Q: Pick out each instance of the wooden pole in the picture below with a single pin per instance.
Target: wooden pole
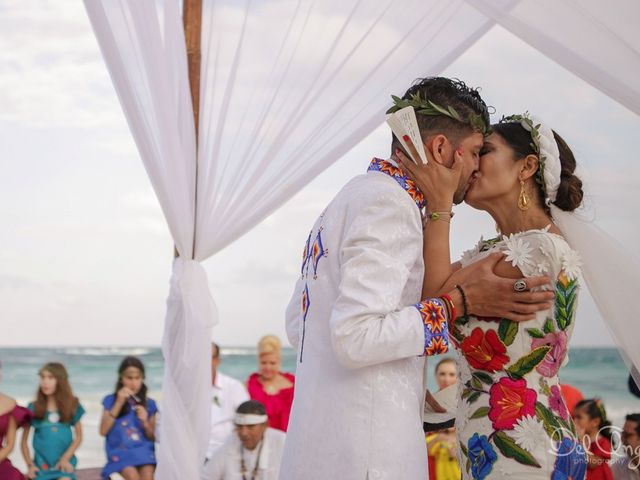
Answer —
(192, 20)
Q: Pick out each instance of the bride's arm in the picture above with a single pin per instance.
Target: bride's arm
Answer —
(438, 184)
(488, 292)
(437, 257)
(440, 275)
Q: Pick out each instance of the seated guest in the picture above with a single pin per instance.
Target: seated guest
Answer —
(628, 467)
(253, 452)
(226, 395)
(270, 386)
(57, 430)
(446, 373)
(594, 430)
(12, 418)
(441, 445)
(128, 423)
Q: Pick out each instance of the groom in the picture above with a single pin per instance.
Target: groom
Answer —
(357, 318)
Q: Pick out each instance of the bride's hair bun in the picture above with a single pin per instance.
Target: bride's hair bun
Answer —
(570, 194)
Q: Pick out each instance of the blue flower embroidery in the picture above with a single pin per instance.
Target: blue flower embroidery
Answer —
(571, 461)
(481, 455)
(316, 252)
(305, 255)
(306, 302)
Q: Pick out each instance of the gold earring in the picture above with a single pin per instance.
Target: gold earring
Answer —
(523, 200)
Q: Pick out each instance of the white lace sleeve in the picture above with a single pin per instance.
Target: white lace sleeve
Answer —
(542, 253)
(539, 252)
(534, 252)
(476, 253)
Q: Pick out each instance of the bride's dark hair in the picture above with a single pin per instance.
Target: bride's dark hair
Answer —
(569, 196)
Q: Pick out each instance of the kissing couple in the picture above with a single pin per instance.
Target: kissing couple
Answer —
(378, 294)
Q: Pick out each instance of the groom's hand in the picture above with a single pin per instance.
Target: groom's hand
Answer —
(489, 295)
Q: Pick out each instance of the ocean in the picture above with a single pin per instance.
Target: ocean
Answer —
(93, 374)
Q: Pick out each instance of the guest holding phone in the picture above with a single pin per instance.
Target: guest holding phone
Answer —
(128, 422)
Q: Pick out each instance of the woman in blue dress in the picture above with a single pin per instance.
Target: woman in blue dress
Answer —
(128, 422)
(57, 431)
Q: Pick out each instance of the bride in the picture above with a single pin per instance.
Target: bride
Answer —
(512, 421)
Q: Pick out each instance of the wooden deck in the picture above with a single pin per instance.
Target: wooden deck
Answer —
(88, 474)
(93, 474)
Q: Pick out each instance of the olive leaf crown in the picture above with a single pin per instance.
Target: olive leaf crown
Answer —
(528, 124)
(427, 107)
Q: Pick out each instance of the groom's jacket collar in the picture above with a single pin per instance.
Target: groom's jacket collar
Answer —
(409, 186)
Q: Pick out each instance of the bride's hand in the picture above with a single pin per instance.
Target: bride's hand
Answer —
(437, 183)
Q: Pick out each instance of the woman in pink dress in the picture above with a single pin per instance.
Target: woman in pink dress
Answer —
(12, 417)
(270, 386)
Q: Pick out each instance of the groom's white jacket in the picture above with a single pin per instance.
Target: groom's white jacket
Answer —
(359, 392)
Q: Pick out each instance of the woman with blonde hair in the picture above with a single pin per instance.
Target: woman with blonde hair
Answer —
(270, 386)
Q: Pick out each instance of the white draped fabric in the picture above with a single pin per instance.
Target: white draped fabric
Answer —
(288, 87)
(597, 41)
(145, 52)
(611, 275)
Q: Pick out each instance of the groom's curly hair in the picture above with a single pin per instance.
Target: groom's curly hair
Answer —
(446, 92)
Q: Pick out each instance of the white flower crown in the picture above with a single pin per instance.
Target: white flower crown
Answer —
(545, 145)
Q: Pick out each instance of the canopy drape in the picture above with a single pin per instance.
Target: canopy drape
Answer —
(597, 41)
(287, 88)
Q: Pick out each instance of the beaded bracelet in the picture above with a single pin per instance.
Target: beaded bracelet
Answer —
(439, 215)
(464, 300)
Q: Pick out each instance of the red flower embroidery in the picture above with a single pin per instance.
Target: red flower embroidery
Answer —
(509, 401)
(484, 350)
(556, 402)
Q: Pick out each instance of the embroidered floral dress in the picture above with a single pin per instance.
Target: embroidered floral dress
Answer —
(512, 421)
(126, 444)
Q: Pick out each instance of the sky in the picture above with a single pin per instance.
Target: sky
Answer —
(85, 255)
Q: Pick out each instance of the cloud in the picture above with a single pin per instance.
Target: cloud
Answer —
(56, 80)
(17, 282)
(86, 255)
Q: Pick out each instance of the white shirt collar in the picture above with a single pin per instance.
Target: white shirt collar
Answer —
(220, 382)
